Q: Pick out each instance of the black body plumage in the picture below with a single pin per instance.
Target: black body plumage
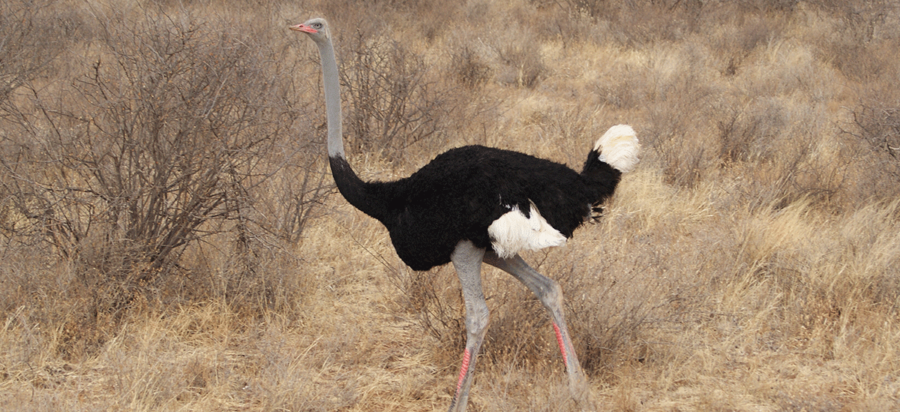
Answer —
(462, 191)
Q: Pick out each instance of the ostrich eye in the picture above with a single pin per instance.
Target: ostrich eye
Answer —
(317, 25)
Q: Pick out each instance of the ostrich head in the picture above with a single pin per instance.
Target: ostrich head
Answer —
(316, 28)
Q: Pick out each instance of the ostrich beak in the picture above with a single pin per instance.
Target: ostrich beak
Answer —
(304, 28)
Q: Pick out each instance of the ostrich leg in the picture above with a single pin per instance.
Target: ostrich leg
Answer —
(550, 294)
(466, 259)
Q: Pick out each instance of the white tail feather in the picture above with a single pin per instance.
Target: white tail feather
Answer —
(619, 147)
(514, 232)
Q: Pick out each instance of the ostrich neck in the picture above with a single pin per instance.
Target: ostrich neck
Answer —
(365, 196)
(332, 85)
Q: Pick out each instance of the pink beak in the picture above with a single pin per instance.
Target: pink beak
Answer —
(304, 28)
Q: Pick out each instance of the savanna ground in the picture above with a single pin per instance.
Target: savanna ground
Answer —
(171, 237)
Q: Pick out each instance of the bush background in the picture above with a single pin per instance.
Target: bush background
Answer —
(171, 236)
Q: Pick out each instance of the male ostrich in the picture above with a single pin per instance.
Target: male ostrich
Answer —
(478, 204)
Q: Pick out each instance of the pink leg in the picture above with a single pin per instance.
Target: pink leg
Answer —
(562, 345)
(550, 294)
(463, 370)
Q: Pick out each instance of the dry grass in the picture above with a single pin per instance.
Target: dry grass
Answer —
(749, 264)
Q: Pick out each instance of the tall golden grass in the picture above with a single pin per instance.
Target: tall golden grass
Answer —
(750, 263)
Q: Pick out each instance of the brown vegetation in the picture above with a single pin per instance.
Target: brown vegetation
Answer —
(171, 238)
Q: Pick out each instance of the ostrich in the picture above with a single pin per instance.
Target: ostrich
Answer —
(477, 204)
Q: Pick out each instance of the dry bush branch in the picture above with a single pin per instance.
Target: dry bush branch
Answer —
(469, 68)
(873, 133)
(878, 125)
(393, 101)
(32, 35)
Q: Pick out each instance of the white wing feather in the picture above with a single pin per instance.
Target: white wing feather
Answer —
(514, 232)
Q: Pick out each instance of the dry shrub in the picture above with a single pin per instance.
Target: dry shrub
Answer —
(859, 36)
(161, 141)
(32, 34)
(782, 160)
(748, 133)
(634, 289)
(768, 6)
(511, 56)
(857, 61)
(870, 139)
(591, 8)
(674, 131)
(742, 40)
(523, 64)
(878, 124)
(638, 23)
(433, 300)
(471, 71)
(393, 101)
